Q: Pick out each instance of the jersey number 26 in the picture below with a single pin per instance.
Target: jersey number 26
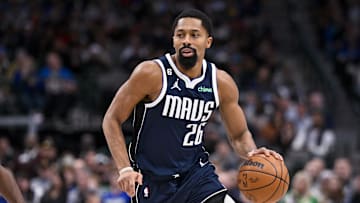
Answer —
(194, 137)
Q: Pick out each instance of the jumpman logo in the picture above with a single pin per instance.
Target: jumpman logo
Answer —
(176, 85)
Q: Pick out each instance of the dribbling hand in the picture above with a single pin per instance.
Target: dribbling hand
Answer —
(126, 182)
(266, 152)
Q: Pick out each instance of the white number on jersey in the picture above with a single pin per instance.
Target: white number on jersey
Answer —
(194, 137)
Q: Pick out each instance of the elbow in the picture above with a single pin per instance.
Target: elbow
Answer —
(110, 119)
(107, 119)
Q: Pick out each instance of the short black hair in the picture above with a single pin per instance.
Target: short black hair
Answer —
(194, 13)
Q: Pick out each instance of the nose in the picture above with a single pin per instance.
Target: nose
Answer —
(187, 40)
(186, 44)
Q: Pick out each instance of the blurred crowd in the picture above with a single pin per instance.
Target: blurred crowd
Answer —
(59, 56)
(338, 27)
(316, 183)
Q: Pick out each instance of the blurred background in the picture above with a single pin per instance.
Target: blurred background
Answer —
(296, 64)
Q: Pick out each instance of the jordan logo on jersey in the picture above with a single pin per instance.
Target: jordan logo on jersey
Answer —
(176, 85)
(187, 108)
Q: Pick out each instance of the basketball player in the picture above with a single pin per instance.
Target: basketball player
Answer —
(173, 98)
(8, 187)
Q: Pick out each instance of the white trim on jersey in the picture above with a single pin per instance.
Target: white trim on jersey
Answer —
(188, 83)
(163, 89)
(214, 84)
(129, 154)
(150, 105)
(138, 135)
(213, 194)
(136, 194)
(228, 199)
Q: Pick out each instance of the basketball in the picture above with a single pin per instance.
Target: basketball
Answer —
(263, 179)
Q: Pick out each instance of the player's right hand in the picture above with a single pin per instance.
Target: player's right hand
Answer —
(127, 180)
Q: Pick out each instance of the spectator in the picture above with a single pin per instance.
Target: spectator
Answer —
(86, 185)
(59, 85)
(24, 83)
(26, 161)
(113, 194)
(314, 168)
(343, 169)
(316, 139)
(330, 188)
(22, 179)
(334, 190)
(40, 184)
(300, 191)
(6, 152)
(57, 191)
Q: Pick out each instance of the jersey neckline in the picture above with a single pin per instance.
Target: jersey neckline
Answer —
(188, 82)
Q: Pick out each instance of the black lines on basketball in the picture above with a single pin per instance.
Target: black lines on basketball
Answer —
(263, 179)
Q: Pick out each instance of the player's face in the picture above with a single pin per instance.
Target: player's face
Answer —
(190, 41)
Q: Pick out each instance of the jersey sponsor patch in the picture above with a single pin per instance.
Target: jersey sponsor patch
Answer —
(205, 89)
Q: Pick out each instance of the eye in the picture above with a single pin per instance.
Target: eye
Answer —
(180, 35)
(195, 35)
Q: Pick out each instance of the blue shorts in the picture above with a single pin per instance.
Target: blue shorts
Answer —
(197, 185)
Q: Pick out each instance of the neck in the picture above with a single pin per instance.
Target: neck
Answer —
(193, 72)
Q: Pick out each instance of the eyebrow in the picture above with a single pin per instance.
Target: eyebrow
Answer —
(184, 30)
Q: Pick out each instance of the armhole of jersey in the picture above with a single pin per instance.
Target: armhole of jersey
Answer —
(163, 89)
(214, 83)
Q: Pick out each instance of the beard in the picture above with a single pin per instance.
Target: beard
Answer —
(187, 62)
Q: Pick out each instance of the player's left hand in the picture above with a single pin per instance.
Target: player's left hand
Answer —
(266, 152)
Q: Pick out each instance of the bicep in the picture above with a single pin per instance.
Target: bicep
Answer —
(234, 119)
(230, 109)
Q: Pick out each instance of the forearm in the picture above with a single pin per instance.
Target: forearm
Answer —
(116, 142)
(243, 144)
(8, 187)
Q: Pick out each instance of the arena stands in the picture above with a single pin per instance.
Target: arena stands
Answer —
(50, 124)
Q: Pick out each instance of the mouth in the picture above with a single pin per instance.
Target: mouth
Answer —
(187, 51)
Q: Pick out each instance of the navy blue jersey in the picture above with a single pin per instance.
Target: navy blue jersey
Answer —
(169, 131)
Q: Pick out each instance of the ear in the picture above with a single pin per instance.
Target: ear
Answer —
(173, 43)
(209, 42)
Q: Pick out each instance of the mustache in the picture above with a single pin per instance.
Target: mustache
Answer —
(187, 46)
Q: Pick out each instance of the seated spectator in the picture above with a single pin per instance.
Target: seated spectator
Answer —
(23, 180)
(300, 191)
(24, 81)
(57, 191)
(59, 85)
(6, 152)
(27, 159)
(40, 184)
(315, 139)
(343, 169)
(330, 188)
(86, 184)
(314, 168)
